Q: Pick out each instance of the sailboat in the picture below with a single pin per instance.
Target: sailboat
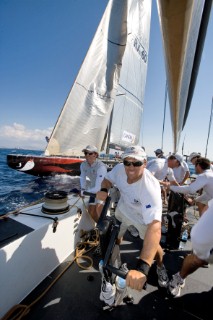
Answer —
(105, 105)
(111, 80)
(38, 240)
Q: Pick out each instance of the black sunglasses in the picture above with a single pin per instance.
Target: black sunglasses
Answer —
(88, 153)
(135, 164)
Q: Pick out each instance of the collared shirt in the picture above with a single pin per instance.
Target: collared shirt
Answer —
(139, 201)
(92, 175)
(180, 172)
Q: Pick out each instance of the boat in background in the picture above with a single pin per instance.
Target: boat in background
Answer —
(105, 105)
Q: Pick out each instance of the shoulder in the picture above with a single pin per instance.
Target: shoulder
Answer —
(117, 169)
(155, 162)
(100, 164)
(149, 176)
(83, 165)
(185, 165)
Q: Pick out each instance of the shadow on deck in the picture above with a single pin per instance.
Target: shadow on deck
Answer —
(76, 294)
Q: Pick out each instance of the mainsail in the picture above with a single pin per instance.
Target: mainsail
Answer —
(112, 76)
(183, 25)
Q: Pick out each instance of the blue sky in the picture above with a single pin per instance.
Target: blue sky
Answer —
(42, 46)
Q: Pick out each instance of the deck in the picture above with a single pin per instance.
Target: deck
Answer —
(76, 294)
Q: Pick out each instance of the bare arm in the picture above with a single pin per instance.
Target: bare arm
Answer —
(136, 279)
(187, 175)
(102, 195)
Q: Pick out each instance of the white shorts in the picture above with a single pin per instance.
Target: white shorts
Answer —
(202, 236)
(125, 223)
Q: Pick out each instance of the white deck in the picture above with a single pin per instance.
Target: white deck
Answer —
(25, 262)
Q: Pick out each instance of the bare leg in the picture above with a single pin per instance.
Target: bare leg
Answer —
(93, 213)
(200, 206)
(190, 264)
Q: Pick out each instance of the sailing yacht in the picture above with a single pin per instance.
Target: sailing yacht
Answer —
(105, 104)
(34, 246)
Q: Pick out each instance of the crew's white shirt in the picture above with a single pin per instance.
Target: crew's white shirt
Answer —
(203, 181)
(202, 235)
(159, 168)
(180, 172)
(140, 201)
(92, 176)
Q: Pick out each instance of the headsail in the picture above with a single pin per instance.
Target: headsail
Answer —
(86, 113)
(183, 25)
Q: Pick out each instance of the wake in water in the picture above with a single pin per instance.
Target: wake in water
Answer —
(18, 189)
(34, 190)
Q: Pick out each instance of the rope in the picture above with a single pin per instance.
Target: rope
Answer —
(18, 311)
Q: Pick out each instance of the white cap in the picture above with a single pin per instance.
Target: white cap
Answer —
(178, 157)
(193, 155)
(90, 149)
(134, 152)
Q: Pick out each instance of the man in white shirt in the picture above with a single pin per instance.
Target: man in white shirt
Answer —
(139, 205)
(93, 172)
(203, 181)
(163, 168)
(181, 172)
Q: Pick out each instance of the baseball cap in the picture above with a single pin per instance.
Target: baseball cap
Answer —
(193, 155)
(158, 151)
(134, 152)
(90, 149)
(178, 157)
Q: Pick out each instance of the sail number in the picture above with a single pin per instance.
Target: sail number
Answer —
(140, 49)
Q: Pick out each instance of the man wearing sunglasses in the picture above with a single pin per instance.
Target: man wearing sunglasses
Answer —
(139, 205)
(92, 174)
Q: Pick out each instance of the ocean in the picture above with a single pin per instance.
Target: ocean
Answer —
(18, 189)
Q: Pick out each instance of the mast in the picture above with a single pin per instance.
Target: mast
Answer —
(183, 144)
(210, 121)
(164, 114)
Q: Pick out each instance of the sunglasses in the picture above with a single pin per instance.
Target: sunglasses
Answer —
(88, 153)
(135, 164)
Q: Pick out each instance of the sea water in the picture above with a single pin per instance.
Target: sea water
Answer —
(18, 189)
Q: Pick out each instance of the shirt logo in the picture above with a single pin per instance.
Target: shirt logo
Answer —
(148, 206)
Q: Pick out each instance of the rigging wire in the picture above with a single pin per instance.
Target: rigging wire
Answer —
(210, 121)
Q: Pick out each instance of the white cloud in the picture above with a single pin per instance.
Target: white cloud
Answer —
(17, 135)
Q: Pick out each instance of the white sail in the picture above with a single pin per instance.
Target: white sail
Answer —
(129, 102)
(124, 28)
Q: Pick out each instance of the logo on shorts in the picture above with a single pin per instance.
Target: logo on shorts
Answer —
(148, 206)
